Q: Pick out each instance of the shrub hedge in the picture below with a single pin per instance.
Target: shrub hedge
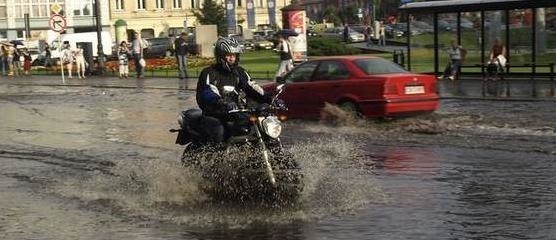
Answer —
(325, 46)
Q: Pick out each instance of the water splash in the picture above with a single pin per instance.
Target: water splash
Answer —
(334, 183)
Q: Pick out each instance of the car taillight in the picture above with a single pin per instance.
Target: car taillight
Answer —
(390, 89)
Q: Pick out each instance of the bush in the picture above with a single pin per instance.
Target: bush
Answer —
(323, 46)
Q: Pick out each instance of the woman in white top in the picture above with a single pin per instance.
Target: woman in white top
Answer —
(286, 57)
(67, 58)
(456, 53)
(80, 62)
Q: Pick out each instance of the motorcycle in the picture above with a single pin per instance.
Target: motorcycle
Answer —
(251, 165)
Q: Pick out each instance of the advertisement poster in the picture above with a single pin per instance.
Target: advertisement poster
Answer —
(231, 16)
(251, 15)
(296, 21)
(271, 12)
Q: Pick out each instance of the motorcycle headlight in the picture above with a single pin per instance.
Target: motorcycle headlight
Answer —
(272, 127)
(180, 119)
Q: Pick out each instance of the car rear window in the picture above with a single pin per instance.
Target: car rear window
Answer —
(378, 66)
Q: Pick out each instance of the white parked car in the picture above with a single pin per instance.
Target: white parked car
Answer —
(338, 32)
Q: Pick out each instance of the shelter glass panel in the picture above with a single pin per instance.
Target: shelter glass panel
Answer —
(546, 37)
(495, 27)
(447, 31)
(520, 45)
(471, 39)
(422, 42)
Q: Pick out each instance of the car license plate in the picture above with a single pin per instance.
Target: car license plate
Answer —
(414, 89)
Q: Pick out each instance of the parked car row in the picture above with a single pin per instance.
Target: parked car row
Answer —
(338, 32)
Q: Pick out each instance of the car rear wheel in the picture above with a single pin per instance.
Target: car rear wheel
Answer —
(350, 107)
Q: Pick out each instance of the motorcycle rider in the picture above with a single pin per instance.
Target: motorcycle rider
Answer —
(218, 87)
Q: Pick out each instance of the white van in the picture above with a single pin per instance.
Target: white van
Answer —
(85, 37)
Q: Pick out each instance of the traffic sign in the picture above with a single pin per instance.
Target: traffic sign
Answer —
(55, 8)
(57, 23)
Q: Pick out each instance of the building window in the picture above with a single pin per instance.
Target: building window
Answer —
(83, 8)
(35, 8)
(3, 9)
(3, 12)
(239, 3)
(159, 4)
(177, 3)
(119, 4)
(141, 4)
(147, 33)
(261, 3)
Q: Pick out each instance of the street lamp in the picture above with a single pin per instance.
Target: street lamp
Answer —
(100, 52)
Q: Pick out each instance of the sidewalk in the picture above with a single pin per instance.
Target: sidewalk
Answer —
(106, 82)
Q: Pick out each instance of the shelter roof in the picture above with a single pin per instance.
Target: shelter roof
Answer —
(473, 5)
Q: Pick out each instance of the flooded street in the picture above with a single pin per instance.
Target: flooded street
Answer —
(93, 162)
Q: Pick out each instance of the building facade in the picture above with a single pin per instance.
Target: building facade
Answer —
(159, 18)
(79, 16)
(153, 18)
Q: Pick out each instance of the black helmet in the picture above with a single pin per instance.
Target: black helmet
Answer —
(223, 47)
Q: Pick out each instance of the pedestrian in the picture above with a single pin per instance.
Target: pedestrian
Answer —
(180, 46)
(382, 34)
(47, 56)
(10, 59)
(498, 50)
(346, 33)
(27, 59)
(497, 58)
(17, 62)
(68, 57)
(3, 58)
(286, 56)
(369, 34)
(456, 54)
(80, 62)
(137, 47)
(123, 60)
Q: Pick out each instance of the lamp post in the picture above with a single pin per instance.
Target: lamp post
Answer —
(100, 52)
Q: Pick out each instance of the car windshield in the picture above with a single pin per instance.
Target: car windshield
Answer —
(378, 66)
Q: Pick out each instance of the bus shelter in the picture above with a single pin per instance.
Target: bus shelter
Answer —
(526, 27)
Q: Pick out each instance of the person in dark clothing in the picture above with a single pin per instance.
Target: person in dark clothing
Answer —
(218, 87)
(47, 56)
(346, 33)
(180, 46)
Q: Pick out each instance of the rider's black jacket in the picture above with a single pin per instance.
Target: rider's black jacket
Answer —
(214, 85)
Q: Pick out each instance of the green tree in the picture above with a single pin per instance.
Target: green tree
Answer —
(331, 15)
(213, 13)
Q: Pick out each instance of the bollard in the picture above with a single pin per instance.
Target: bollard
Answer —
(398, 57)
(551, 79)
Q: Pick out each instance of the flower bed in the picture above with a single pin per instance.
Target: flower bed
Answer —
(167, 63)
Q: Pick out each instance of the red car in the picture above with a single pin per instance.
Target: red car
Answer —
(372, 86)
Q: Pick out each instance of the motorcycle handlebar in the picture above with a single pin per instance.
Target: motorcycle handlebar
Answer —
(261, 108)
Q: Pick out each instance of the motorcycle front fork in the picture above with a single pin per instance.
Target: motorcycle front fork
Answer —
(266, 158)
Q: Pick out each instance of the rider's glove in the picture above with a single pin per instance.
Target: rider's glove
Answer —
(231, 106)
(279, 103)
